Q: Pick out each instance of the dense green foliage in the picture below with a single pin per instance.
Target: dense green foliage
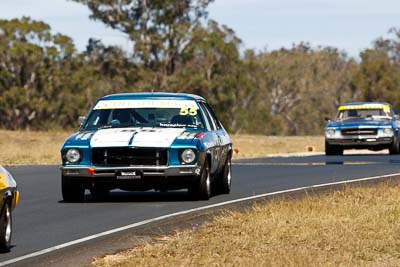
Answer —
(46, 83)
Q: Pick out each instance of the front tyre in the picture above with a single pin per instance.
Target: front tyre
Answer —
(394, 146)
(72, 191)
(202, 190)
(5, 228)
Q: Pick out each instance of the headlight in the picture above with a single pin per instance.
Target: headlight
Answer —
(73, 155)
(188, 156)
(330, 132)
(388, 131)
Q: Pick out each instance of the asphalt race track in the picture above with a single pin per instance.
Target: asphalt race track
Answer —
(42, 220)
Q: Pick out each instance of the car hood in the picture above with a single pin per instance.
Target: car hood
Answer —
(79, 139)
(357, 122)
(139, 137)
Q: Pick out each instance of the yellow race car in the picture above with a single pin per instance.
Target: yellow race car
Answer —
(9, 198)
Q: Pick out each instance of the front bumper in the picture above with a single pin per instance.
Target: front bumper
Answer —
(149, 171)
(360, 141)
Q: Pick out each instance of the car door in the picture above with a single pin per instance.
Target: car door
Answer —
(221, 137)
(215, 144)
(224, 140)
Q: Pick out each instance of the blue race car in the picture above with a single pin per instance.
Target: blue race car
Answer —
(145, 141)
(363, 125)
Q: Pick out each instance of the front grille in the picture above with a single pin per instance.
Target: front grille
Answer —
(129, 157)
(356, 131)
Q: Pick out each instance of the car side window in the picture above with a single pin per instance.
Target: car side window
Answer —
(213, 116)
(208, 116)
(392, 111)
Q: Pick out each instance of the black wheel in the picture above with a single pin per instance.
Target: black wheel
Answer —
(395, 146)
(202, 189)
(225, 178)
(332, 150)
(99, 193)
(72, 191)
(5, 227)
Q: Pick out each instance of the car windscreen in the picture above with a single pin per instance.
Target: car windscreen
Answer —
(362, 113)
(145, 113)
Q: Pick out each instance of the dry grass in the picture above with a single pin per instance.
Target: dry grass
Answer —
(252, 146)
(355, 227)
(28, 147)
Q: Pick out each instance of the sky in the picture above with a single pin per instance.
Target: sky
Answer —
(350, 25)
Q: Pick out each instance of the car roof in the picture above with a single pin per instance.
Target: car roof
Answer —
(365, 103)
(156, 95)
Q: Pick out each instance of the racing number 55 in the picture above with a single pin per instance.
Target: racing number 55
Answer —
(188, 111)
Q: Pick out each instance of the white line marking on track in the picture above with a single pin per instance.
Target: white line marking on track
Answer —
(134, 225)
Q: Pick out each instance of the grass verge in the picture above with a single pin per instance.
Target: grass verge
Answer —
(253, 146)
(30, 147)
(354, 227)
(42, 147)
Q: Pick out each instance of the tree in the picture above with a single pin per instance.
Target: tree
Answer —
(300, 86)
(29, 57)
(382, 63)
(377, 78)
(160, 29)
(211, 66)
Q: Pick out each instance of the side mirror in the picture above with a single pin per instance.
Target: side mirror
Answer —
(81, 120)
(395, 116)
(327, 119)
